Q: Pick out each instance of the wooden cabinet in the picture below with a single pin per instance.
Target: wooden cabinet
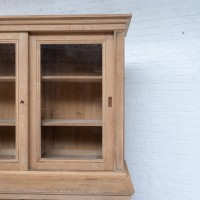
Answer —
(62, 107)
(13, 111)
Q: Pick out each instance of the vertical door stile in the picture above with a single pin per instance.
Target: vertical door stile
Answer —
(22, 101)
(14, 101)
(109, 93)
(33, 104)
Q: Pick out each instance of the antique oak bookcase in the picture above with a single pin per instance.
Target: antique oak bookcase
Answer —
(62, 107)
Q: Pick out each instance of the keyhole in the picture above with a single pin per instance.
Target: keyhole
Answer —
(21, 102)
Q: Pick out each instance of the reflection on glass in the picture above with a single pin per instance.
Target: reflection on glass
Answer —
(7, 102)
(71, 59)
(7, 59)
(71, 108)
(72, 142)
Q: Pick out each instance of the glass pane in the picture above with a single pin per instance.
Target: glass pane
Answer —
(7, 59)
(71, 101)
(66, 100)
(71, 59)
(7, 102)
(72, 142)
(7, 143)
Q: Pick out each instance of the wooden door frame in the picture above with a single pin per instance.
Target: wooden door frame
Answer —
(107, 163)
(21, 94)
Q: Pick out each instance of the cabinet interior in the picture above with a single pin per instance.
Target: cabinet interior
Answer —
(72, 142)
(71, 101)
(62, 107)
(7, 143)
(7, 59)
(7, 102)
(71, 59)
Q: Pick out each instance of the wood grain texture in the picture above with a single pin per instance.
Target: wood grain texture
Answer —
(69, 78)
(13, 85)
(67, 23)
(62, 130)
(67, 122)
(62, 197)
(66, 183)
(119, 103)
(82, 101)
(61, 100)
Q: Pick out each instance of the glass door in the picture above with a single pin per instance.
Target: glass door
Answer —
(7, 102)
(71, 101)
(11, 154)
(70, 104)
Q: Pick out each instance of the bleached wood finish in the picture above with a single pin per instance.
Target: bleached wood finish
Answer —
(14, 88)
(79, 183)
(61, 122)
(23, 101)
(119, 103)
(71, 78)
(62, 126)
(62, 197)
(85, 93)
(72, 101)
(71, 23)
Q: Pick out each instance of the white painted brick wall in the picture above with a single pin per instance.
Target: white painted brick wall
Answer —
(162, 89)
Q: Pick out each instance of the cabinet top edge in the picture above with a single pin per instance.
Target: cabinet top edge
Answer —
(92, 19)
(90, 16)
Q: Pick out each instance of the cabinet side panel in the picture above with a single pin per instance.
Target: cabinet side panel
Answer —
(119, 99)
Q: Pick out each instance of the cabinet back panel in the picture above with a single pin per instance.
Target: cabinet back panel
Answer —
(71, 142)
(71, 59)
(7, 59)
(7, 100)
(61, 100)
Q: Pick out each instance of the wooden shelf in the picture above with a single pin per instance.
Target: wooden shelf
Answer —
(7, 122)
(7, 154)
(72, 154)
(72, 78)
(63, 122)
(7, 79)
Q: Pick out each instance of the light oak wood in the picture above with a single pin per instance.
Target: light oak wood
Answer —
(119, 103)
(22, 101)
(85, 100)
(64, 154)
(66, 183)
(13, 86)
(63, 100)
(108, 114)
(7, 79)
(59, 142)
(71, 23)
(64, 122)
(7, 122)
(62, 197)
(71, 78)
(62, 107)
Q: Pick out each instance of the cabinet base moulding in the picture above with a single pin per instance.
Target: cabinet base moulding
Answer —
(62, 197)
(66, 185)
